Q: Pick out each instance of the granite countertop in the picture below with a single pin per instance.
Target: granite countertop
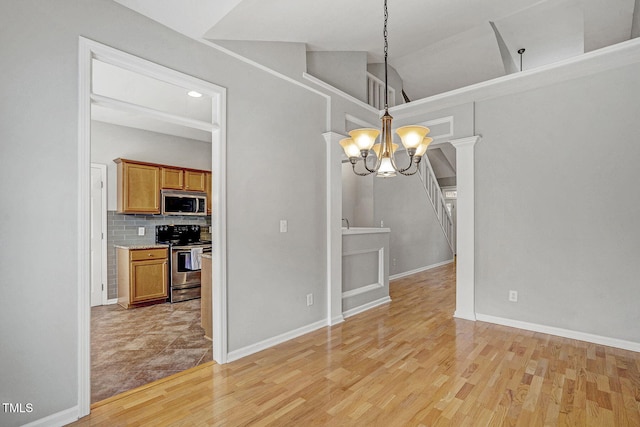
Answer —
(143, 246)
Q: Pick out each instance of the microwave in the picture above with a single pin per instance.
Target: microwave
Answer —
(183, 203)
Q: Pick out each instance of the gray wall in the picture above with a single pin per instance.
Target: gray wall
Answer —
(346, 71)
(270, 122)
(557, 221)
(416, 240)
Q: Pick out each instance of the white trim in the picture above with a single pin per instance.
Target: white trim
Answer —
(362, 290)
(88, 50)
(419, 270)
(465, 224)
(337, 91)
(363, 230)
(440, 121)
(334, 226)
(560, 332)
(258, 65)
(103, 226)
(61, 418)
(273, 341)
(617, 55)
(116, 104)
(367, 306)
(367, 288)
(358, 121)
(219, 232)
(336, 320)
(112, 301)
(83, 230)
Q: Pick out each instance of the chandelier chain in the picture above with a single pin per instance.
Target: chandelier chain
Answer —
(386, 50)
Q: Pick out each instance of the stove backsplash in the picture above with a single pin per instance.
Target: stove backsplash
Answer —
(123, 230)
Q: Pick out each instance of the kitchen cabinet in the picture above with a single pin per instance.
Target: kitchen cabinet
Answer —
(207, 181)
(138, 187)
(143, 275)
(172, 178)
(194, 180)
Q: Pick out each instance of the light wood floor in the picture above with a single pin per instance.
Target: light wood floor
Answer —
(408, 363)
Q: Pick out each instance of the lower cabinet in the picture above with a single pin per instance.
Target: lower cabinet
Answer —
(142, 276)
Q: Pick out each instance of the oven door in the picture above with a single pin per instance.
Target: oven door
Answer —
(185, 271)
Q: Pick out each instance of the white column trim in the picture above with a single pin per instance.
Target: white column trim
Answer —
(334, 227)
(465, 236)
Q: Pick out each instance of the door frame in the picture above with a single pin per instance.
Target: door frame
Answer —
(103, 229)
(88, 50)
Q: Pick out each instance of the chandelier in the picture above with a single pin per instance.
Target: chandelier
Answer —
(363, 141)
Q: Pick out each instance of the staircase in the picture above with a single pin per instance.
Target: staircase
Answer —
(436, 198)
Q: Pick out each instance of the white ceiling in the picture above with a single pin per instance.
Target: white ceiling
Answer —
(435, 45)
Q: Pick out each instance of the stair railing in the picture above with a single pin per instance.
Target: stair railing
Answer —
(375, 92)
(436, 198)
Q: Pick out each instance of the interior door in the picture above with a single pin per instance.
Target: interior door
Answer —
(97, 235)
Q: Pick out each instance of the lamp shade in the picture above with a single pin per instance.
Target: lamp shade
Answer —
(422, 148)
(412, 136)
(364, 138)
(350, 148)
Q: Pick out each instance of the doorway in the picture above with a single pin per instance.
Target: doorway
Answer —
(89, 52)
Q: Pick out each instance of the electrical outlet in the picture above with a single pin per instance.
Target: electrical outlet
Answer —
(140, 231)
(309, 300)
(382, 224)
(513, 296)
(283, 226)
(393, 262)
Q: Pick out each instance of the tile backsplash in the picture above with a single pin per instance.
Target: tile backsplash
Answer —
(123, 230)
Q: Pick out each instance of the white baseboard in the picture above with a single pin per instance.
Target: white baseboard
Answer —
(336, 320)
(565, 333)
(270, 342)
(61, 418)
(467, 316)
(365, 307)
(418, 270)
(112, 301)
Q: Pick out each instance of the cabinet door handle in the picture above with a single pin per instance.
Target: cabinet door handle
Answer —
(150, 254)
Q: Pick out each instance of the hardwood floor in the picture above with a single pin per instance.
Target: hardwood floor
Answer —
(408, 363)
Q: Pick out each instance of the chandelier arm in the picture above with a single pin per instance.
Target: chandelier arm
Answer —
(364, 163)
(417, 163)
(407, 168)
(353, 166)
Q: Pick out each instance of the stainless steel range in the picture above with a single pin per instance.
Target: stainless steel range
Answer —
(185, 251)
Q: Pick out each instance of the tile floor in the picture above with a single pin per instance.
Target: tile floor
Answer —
(130, 348)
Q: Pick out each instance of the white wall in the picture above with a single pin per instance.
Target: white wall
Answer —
(557, 205)
(272, 124)
(109, 142)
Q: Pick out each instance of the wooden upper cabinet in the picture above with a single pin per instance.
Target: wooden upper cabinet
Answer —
(194, 180)
(207, 182)
(172, 178)
(138, 187)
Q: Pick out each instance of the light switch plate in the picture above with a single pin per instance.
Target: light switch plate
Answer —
(283, 226)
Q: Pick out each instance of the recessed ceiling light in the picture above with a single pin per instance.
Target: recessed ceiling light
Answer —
(194, 94)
